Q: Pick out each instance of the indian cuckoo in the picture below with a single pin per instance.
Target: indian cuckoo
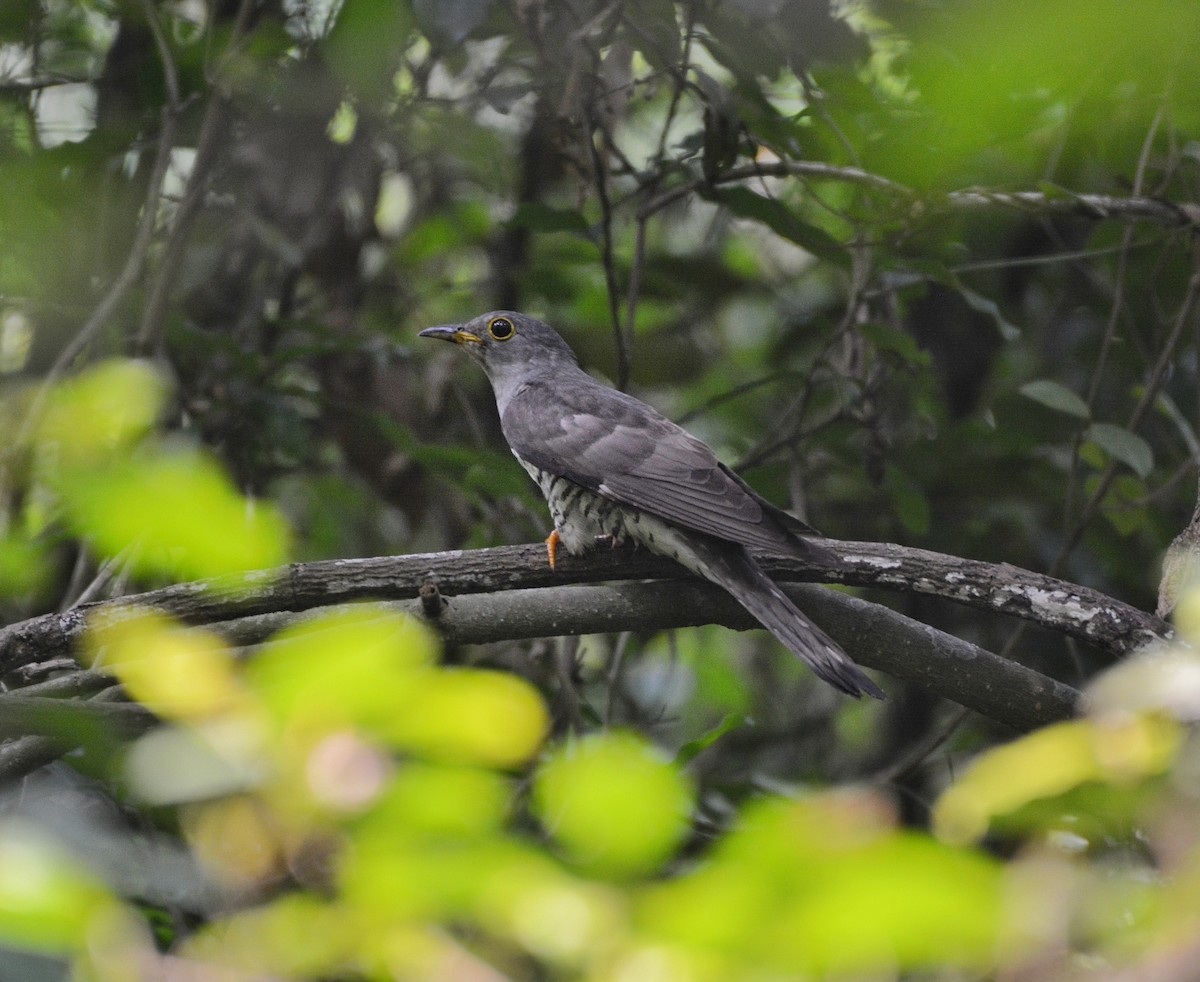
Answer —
(609, 465)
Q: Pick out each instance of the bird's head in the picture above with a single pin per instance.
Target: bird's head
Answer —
(509, 345)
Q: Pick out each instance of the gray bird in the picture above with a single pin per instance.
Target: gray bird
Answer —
(609, 465)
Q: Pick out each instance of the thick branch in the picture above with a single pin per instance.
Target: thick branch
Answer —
(878, 637)
(1055, 604)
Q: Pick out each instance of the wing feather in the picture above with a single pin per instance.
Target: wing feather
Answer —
(622, 448)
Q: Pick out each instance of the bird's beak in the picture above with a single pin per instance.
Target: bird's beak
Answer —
(451, 332)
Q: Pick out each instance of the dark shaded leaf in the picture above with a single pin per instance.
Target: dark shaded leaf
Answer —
(1055, 395)
(781, 220)
(1123, 445)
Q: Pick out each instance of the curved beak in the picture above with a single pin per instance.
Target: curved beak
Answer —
(451, 332)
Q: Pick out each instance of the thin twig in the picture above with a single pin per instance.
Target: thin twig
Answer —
(607, 251)
(1150, 391)
(211, 129)
(1106, 342)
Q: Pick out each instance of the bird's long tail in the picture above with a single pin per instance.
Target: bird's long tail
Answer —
(734, 569)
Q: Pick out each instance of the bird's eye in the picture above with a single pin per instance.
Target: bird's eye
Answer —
(501, 328)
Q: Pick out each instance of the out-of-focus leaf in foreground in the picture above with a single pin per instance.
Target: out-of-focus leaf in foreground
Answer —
(613, 804)
(178, 514)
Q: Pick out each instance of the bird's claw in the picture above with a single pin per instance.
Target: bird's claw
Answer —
(552, 541)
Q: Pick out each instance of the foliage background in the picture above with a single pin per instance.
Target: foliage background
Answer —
(800, 234)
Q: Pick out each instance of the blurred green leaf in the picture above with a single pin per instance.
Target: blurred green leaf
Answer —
(781, 220)
(985, 305)
(174, 671)
(1056, 396)
(48, 902)
(1052, 761)
(365, 44)
(357, 667)
(472, 716)
(613, 804)
(1123, 445)
(104, 409)
(175, 513)
(25, 567)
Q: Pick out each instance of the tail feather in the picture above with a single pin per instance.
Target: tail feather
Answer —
(733, 568)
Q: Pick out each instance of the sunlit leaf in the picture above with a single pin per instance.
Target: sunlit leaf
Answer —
(1161, 677)
(177, 514)
(1051, 761)
(175, 764)
(176, 671)
(47, 900)
(439, 800)
(295, 936)
(237, 839)
(613, 804)
(107, 407)
(472, 716)
(825, 885)
(904, 901)
(357, 667)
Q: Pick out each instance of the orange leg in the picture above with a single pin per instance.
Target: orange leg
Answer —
(552, 548)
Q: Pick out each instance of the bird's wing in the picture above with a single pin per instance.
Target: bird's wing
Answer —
(622, 448)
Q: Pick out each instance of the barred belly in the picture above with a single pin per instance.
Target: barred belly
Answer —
(581, 516)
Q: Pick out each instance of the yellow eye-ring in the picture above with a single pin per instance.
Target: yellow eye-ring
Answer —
(501, 328)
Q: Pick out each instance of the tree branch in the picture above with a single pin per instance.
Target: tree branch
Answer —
(519, 602)
(1074, 610)
(1099, 206)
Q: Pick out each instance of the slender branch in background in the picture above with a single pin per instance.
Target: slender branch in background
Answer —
(1158, 376)
(607, 254)
(633, 292)
(36, 84)
(1110, 332)
(212, 128)
(1098, 206)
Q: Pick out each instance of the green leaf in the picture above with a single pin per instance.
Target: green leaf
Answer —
(1055, 395)
(613, 804)
(178, 513)
(693, 748)
(984, 305)
(1123, 445)
(781, 220)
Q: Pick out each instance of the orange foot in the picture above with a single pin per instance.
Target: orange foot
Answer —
(552, 541)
